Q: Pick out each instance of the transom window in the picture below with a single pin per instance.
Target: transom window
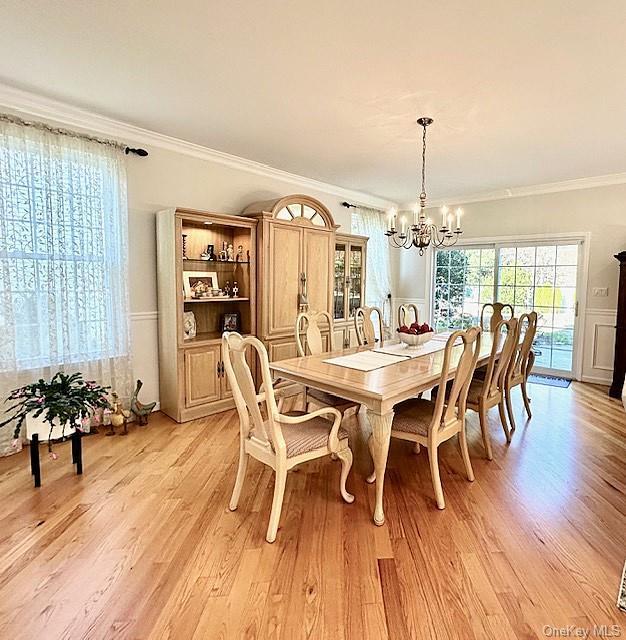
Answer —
(298, 210)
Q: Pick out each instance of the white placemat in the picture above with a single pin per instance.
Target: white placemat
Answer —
(413, 352)
(366, 360)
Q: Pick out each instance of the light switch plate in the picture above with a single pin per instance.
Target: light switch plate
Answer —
(600, 292)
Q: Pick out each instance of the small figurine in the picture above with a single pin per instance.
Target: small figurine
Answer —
(223, 255)
(189, 326)
(185, 246)
(142, 411)
(227, 288)
(235, 290)
(209, 253)
(230, 253)
(248, 255)
(119, 417)
(239, 257)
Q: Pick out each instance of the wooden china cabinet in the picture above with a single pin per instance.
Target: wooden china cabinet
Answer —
(192, 377)
(349, 286)
(295, 245)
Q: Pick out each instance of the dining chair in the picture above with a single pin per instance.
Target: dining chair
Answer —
(364, 326)
(430, 422)
(405, 312)
(310, 341)
(521, 363)
(496, 315)
(281, 441)
(488, 391)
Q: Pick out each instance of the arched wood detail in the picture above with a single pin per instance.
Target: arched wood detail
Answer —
(272, 207)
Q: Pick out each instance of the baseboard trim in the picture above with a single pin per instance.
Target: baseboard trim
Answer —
(596, 380)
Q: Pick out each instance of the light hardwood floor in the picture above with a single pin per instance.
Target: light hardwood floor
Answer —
(143, 545)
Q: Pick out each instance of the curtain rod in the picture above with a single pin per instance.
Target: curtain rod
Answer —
(351, 205)
(5, 117)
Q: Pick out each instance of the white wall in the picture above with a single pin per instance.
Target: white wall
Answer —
(600, 211)
(169, 179)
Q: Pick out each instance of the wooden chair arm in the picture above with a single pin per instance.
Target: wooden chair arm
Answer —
(333, 439)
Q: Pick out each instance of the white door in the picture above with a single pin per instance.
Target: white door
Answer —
(536, 276)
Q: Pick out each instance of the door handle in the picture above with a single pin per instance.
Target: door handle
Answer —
(218, 368)
(303, 297)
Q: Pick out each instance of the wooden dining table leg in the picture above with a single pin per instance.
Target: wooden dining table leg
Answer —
(379, 448)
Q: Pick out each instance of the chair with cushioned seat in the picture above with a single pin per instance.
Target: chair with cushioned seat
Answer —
(488, 391)
(431, 422)
(405, 312)
(496, 314)
(310, 341)
(521, 363)
(364, 326)
(281, 441)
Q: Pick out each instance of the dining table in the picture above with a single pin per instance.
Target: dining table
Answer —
(378, 390)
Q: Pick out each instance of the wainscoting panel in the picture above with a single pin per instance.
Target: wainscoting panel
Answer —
(145, 347)
(599, 345)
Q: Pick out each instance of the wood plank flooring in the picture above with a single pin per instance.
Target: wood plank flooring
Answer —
(143, 545)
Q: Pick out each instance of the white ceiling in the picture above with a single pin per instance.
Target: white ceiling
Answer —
(522, 93)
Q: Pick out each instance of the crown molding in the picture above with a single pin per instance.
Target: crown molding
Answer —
(530, 190)
(34, 105)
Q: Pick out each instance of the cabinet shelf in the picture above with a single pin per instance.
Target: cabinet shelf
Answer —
(206, 337)
(214, 263)
(217, 299)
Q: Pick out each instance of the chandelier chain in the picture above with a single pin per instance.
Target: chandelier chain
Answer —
(423, 194)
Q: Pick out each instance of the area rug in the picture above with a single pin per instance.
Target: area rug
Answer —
(621, 594)
(549, 381)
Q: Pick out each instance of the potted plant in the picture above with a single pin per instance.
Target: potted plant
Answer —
(57, 405)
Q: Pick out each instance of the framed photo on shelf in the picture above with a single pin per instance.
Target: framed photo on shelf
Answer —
(231, 321)
(199, 284)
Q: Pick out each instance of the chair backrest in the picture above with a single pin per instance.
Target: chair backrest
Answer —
(364, 326)
(497, 314)
(526, 330)
(308, 326)
(405, 312)
(247, 401)
(450, 407)
(503, 346)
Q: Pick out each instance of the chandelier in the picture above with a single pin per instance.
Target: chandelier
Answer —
(423, 232)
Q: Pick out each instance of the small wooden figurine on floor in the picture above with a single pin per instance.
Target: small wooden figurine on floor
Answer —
(119, 417)
(141, 411)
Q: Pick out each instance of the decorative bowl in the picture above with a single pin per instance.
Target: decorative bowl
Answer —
(415, 340)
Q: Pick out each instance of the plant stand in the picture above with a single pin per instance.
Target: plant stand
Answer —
(77, 455)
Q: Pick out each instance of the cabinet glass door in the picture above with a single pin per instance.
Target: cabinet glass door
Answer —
(339, 290)
(355, 280)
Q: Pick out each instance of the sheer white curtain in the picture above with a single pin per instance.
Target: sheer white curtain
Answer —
(372, 223)
(63, 261)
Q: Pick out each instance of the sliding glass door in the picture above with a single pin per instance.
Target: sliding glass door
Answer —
(539, 276)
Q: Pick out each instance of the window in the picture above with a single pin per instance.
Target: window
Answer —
(537, 276)
(464, 281)
(63, 257)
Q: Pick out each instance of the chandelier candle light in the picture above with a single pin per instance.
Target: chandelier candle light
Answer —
(423, 233)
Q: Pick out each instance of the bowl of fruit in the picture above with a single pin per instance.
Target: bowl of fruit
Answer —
(415, 335)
